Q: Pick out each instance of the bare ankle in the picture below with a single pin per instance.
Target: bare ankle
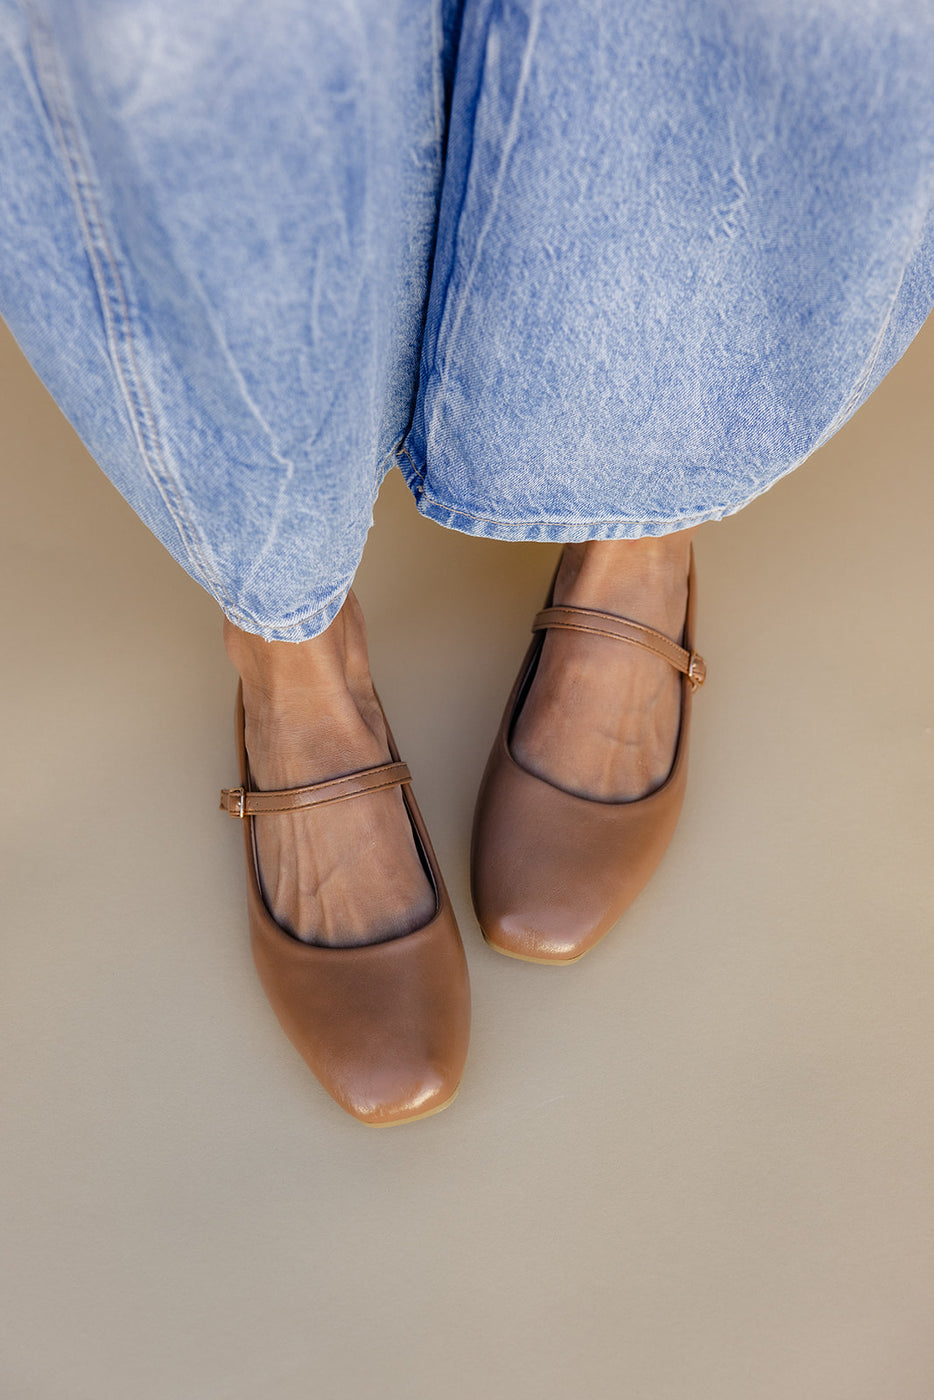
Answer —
(309, 705)
(645, 579)
(653, 558)
(280, 675)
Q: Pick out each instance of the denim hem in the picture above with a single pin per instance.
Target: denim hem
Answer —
(561, 531)
(302, 629)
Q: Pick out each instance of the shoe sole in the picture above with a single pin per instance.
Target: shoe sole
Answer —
(415, 1117)
(524, 957)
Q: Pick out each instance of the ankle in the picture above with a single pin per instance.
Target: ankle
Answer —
(653, 559)
(645, 579)
(310, 705)
(280, 675)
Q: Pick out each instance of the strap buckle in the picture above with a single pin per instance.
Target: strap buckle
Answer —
(697, 670)
(234, 802)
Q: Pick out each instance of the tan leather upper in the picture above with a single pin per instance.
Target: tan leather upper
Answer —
(385, 1026)
(551, 872)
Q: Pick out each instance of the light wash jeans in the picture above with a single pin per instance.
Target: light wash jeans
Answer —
(581, 268)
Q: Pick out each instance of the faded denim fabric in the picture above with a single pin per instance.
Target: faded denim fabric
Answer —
(589, 270)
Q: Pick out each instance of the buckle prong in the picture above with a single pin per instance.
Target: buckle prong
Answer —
(697, 670)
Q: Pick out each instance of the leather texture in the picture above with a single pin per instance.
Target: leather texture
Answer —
(383, 1027)
(552, 872)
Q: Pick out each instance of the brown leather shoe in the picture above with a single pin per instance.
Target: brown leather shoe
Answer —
(383, 1026)
(552, 872)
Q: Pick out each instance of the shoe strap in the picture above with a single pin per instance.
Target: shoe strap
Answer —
(622, 629)
(240, 802)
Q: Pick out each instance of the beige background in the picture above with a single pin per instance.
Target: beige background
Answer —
(696, 1166)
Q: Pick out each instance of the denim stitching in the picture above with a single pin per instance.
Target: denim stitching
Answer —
(430, 346)
(854, 399)
(512, 134)
(855, 396)
(606, 520)
(114, 302)
(299, 621)
(402, 450)
(717, 512)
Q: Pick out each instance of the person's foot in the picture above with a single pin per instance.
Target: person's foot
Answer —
(348, 872)
(601, 718)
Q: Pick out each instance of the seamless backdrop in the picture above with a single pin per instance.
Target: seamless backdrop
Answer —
(696, 1166)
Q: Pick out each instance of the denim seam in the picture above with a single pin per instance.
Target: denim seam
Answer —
(854, 399)
(402, 450)
(443, 295)
(604, 520)
(437, 77)
(448, 352)
(115, 303)
(299, 621)
(430, 499)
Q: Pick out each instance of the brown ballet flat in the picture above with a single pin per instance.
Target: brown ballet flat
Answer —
(384, 1027)
(552, 872)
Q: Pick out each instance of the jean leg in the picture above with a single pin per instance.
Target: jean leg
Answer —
(679, 243)
(215, 236)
